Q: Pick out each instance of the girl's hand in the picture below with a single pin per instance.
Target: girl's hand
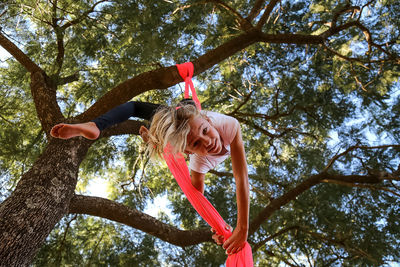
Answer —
(236, 242)
(219, 239)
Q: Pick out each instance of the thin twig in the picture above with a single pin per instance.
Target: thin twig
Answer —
(351, 148)
(360, 186)
(271, 5)
(256, 9)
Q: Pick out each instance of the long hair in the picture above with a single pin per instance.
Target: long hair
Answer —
(170, 125)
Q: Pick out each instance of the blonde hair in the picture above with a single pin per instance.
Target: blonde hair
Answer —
(170, 125)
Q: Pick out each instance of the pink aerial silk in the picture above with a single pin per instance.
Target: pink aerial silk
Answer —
(186, 72)
(179, 169)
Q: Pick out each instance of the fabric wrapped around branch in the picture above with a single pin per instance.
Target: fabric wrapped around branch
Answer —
(186, 71)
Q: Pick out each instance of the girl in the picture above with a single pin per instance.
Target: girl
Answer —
(208, 137)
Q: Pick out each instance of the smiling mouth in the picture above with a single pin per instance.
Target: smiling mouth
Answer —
(213, 147)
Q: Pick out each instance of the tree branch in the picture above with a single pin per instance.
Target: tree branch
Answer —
(289, 38)
(255, 10)
(62, 243)
(65, 80)
(59, 38)
(353, 178)
(117, 212)
(345, 9)
(341, 242)
(281, 232)
(60, 48)
(266, 14)
(336, 157)
(351, 184)
(42, 87)
(165, 77)
(313, 180)
(277, 115)
(44, 95)
(336, 29)
(259, 128)
(246, 99)
(244, 24)
(251, 176)
(81, 17)
(126, 127)
(20, 56)
(277, 203)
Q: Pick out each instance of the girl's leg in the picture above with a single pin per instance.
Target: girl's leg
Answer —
(142, 110)
(91, 130)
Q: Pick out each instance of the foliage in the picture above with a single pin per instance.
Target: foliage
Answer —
(82, 241)
(299, 106)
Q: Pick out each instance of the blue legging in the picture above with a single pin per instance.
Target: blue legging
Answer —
(123, 112)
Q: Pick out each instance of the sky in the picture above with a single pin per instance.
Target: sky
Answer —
(3, 56)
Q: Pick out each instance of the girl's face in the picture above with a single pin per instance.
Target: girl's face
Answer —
(203, 138)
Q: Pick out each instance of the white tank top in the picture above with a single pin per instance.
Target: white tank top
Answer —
(227, 128)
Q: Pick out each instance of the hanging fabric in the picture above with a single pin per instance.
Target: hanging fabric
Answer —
(179, 169)
(186, 72)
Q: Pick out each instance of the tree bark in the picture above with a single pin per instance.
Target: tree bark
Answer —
(44, 96)
(114, 211)
(39, 201)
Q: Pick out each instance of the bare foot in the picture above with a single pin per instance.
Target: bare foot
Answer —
(144, 133)
(88, 130)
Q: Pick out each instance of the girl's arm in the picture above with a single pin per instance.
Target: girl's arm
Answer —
(239, 165)
(197, 180)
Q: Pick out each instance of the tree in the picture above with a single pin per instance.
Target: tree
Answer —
(313, 83)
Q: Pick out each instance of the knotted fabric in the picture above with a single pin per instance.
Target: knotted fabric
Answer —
(179, 169)
(186, 72)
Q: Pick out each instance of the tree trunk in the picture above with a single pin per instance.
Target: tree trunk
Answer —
(39, 201)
